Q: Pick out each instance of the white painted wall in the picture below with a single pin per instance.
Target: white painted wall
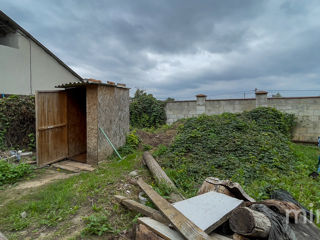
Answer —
(15, 66)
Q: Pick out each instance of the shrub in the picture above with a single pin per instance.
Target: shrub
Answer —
(17, 122)
(146, 111)
(11, 173)
(132, 143)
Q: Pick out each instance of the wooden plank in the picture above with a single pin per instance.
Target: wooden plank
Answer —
(143, 209)
(161, 229)
(167, 233)
(53, 126)
(64, 167)
(144, 233)
(73, 166)
(187, 228)
(208, 211)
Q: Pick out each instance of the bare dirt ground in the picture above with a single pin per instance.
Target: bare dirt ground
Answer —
(155, 139)
(41, 178)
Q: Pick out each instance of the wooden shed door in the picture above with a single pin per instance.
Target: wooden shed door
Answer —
(51, 126)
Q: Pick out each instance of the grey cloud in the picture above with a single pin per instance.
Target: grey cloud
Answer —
(117, 40)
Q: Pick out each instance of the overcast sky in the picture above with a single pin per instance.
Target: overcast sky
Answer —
(179, 48)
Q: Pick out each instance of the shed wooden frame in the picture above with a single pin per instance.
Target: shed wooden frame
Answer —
(68, 121)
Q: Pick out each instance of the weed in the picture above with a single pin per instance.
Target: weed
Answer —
(11, 173)
(97, 224)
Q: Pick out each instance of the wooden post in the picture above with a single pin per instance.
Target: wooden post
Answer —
(157, 171)
(248, 222)
(159, 175)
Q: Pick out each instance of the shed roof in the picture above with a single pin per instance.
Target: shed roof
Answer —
(8, 25)
(85, 83)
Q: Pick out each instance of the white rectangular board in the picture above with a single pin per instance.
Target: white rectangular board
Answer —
(208, 211)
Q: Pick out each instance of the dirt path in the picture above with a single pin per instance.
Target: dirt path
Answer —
(26, 187)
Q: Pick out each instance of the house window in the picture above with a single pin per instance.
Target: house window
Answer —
(9, 40)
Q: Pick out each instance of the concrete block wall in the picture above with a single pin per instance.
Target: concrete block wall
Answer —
(306, 109)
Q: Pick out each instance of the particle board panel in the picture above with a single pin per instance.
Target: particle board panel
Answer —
(92, 125)
(209, 210)
(51, 127)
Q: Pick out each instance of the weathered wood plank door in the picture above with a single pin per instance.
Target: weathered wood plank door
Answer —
(51, 126)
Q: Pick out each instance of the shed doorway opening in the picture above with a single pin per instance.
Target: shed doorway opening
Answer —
(61, 125)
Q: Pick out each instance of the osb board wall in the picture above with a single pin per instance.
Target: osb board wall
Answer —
(77, 132)
(92, 125)
(113, 118)
(51, 124)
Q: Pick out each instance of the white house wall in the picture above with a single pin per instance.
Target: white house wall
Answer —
(15, 66)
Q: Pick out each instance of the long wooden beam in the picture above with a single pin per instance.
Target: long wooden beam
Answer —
(187, 228)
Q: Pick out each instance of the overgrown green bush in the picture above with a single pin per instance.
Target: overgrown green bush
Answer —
(146, 111)
(242, 147)
(132, 143)
(11, 173)
(17, 122)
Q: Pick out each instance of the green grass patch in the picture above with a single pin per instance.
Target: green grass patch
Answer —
(58, 202)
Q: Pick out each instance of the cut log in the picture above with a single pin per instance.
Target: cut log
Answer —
(234, 188)
(284, 208)
(140, 208)
(248, 222)
(144, 233)
(159, 175)
(187, 228)
(209, 187)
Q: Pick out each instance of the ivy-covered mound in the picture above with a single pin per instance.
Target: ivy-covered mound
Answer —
(17, 122)
(246, 148)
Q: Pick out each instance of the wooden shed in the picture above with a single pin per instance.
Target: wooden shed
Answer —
(68, 121)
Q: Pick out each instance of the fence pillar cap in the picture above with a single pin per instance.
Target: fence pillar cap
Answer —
(201, 95)
(261, 92)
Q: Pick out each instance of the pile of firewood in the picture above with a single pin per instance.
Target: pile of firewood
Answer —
(222, 210)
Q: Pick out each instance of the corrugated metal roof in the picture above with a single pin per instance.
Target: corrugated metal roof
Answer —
(86, 83)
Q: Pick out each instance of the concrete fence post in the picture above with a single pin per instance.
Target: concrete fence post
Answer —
(201, 103)
(261, 99)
